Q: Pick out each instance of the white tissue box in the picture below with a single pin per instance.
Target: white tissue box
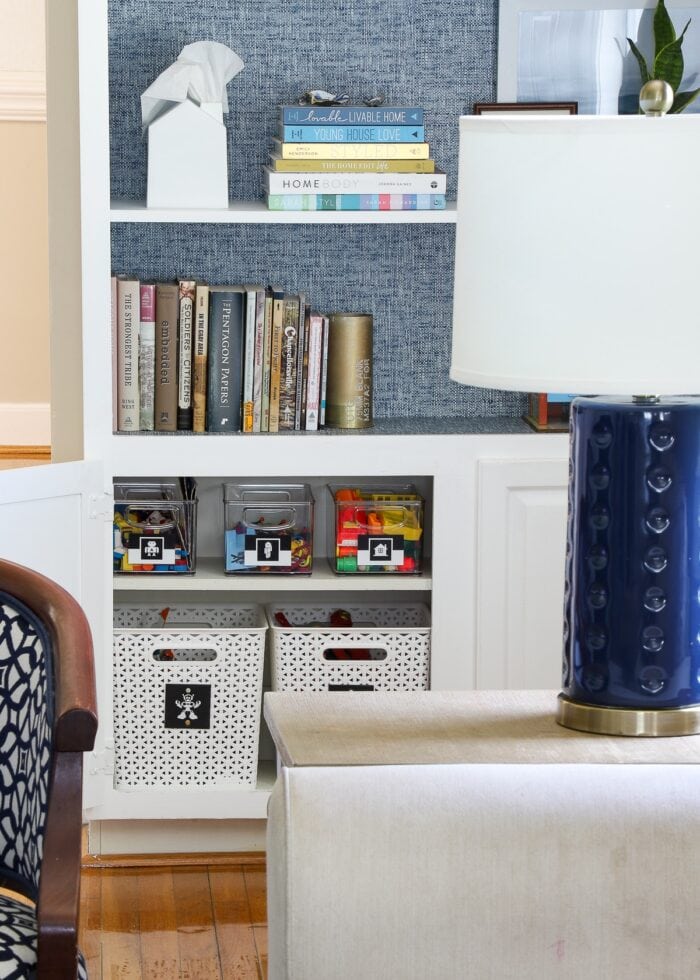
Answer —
(187, 157)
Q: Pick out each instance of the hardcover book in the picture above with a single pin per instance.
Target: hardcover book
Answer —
(356, 202)
(324, 372)
(351, 151)
(313, 383)
(267, 362)
(185, 337)
(249, 357)
(353, 134)
(147, 356)
(226, 341)
(258, 358)
(128, 316)
(351, 115)
(412, 166)
(115, 373)
(301, 331)
(199, 366)
(167, 309)
(354, 183)
(288, 364)
(276, 356)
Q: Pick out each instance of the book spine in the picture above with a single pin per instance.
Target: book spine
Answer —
(305, 371)
(276, 358)
(351, 115)
(354, 183)
(147, 356)
(115, 344)
(288, 366)
(167, 309)
(267, 359)
(184, 387)
(353, 134)
(258, 358)
(249, 359)
(201, 342)
(313, 384)
(226, 341)
(301, 329)
(352, 151)
(356, 202)
(324, 373)
(278, 164)
(128, 314)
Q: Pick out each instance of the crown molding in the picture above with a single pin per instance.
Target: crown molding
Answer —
(22, 96)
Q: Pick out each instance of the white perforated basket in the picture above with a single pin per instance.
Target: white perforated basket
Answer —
(398, 637)
(213, 679)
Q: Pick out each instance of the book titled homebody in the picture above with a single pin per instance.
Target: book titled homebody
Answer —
(351, 151)
(351, 115)
(356, 202)
(354, 183)
(353, 134)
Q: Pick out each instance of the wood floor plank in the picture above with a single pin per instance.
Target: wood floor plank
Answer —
(257, 900)
(120, 933)
(199, 954)
(90, 922)
(234, 930)
(160, 948)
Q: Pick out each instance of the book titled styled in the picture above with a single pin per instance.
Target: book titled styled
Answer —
(354, 183)
(128, 317)
(167, 311)
(199, 360)
(225, 368)
(351, 151)
(351, 115)
(356, 202)
(185, 337)
(147, 356)
(353, 134)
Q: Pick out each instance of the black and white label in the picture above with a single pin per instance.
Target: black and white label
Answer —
(380, 549)
(151, 550)
(187, 705)
(268, 551)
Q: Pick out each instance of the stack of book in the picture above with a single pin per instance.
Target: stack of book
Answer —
(353, 158)
(196, 358)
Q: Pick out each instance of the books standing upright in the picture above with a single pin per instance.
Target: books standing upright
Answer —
(199, 369)
(167, 307)
(147, 356)
(184, 372)
(226, 346)
(128, 316)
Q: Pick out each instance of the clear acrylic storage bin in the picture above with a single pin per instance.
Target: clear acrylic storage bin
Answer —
(155, 526)
(268, 528)
(377, 529)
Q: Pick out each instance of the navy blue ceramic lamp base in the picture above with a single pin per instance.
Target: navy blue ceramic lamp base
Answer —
(632, 598)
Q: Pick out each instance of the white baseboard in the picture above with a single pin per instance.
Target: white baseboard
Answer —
(22, 96)
(25, 424)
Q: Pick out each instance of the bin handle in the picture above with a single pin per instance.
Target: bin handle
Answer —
(368, 527)
(282, 526)
(141, 525)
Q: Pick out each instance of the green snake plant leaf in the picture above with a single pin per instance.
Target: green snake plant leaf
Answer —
(668, 64)
(664, 31)
(683, 99)
(641, 61)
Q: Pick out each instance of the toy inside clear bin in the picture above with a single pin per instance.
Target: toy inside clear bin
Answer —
(268, 528)
(155, 526)
(377, 528)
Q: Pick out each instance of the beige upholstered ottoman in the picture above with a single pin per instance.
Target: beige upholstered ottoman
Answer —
(437, 836)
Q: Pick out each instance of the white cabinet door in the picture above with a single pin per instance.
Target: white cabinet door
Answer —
(521, 536)
(57, 520)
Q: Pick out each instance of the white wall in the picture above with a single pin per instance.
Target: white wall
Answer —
(24, 325)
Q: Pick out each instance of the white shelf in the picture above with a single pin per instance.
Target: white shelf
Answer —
(256, 212)
(210, 577)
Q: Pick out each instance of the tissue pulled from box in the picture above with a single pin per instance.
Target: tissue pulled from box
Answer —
(201, 73)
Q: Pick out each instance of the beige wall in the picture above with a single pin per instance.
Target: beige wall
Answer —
(24, 323)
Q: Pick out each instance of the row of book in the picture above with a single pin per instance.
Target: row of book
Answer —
(353, 158)
(197, 358)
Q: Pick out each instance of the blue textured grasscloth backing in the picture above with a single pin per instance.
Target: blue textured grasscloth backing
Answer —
(440, 56)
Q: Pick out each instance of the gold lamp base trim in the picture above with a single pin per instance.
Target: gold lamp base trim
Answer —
(662, 722)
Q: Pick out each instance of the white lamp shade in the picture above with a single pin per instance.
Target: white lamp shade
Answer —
(577, 264)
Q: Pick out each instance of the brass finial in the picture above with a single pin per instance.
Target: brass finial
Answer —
(655, 98)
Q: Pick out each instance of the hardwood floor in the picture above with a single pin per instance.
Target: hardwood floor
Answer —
(174, 922)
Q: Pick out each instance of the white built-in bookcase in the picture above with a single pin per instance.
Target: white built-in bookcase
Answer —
(495, 492)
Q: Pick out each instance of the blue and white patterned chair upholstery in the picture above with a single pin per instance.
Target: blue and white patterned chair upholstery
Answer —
(47, 720)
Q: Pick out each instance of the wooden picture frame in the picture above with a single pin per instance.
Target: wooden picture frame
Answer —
(533, 108)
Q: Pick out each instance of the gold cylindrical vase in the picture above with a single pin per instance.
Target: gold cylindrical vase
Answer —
(349, 379)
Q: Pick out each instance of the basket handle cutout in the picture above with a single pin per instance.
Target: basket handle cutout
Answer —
(354, 653)
(351, 687)
(183, 655)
